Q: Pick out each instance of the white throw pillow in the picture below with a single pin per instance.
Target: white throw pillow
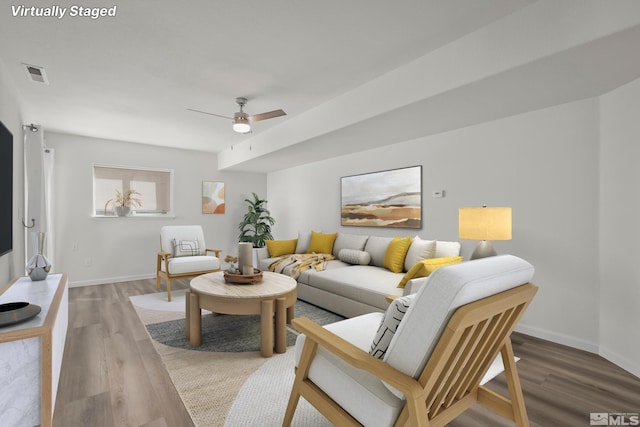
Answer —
(303, 242)
(185, 248)
(377, 248)
(445, 249)
(392, 318)
(419, 250)
(354, 256)
(349, 241)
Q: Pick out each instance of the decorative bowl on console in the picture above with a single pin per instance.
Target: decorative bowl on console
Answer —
(16, 312)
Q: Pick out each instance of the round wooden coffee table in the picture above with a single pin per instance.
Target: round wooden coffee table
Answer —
(272, 297)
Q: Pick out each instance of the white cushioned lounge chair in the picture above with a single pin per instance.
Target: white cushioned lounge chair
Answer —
(183, 253)
(456, 326)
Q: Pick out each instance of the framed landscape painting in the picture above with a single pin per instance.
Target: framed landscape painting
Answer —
(391, 198)
(212, 197)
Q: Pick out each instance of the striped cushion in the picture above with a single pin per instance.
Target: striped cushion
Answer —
(354, 256)
(389, 324)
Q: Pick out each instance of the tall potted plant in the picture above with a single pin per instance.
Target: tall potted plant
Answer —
(257, 222)
(123, 202)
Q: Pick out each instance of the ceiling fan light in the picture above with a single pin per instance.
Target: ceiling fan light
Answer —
(241, 125)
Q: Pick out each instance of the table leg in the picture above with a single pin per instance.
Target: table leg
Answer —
(281, 326)
(290, 314)
(266, 328)
(187, 315)
(195, 320)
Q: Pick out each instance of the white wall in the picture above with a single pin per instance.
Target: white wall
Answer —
(543, 164)
(619, 226)
(118, 249)
(12, 264)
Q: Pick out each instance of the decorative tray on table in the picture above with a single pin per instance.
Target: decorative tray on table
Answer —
(243, 279)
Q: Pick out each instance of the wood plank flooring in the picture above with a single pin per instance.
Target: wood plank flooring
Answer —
(561, 387)
(112, 376)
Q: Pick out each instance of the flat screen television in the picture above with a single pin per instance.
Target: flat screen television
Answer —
(6, 190)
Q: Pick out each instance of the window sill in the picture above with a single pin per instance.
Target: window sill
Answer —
(139, 216)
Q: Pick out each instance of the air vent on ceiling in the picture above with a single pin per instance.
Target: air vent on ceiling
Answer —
(36, 74)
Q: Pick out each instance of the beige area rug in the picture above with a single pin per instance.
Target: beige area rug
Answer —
(207, 382)
(210, 383)
(264, 397)
(236, 389)
(158, 301)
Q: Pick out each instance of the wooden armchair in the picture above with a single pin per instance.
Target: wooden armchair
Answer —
(183, 253)
(451, 334)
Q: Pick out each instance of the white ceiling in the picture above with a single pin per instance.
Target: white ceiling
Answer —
(390, 71)
(132, 77)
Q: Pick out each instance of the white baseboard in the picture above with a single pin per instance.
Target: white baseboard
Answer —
(104, 281)
(621, 361)
(558, 338)
(613, 357)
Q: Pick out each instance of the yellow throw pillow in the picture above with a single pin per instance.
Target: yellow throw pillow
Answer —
(321, 243)
(396, 251)
(281, 247)
(425, 267)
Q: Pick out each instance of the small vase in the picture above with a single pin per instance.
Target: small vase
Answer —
(38, 266)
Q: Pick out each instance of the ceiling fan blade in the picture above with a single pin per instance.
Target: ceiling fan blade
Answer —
(265, 116)
(211, 114)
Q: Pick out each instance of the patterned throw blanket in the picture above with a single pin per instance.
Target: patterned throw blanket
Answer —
(297, 263)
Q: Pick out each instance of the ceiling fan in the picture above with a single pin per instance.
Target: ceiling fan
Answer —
(241, 120)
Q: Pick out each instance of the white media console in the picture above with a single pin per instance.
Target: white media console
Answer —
(31, 351)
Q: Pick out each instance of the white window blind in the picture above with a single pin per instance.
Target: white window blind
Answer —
(154, 186)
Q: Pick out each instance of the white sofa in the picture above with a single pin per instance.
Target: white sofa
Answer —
(352, 289)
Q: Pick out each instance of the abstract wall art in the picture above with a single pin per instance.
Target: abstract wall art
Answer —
(212, 197)
(391, 198)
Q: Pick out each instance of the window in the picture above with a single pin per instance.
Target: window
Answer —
(155, 188)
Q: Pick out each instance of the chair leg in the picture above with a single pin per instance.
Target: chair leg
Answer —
(291, 408)
(308, 352)
(168, 288)
(513, 383)
(158, 280)
(417, 413)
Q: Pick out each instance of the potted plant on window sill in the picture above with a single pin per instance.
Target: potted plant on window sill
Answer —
(123, 202)
(257, 222)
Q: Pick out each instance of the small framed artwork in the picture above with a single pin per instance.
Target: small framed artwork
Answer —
(391, 198)
(212, 197)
